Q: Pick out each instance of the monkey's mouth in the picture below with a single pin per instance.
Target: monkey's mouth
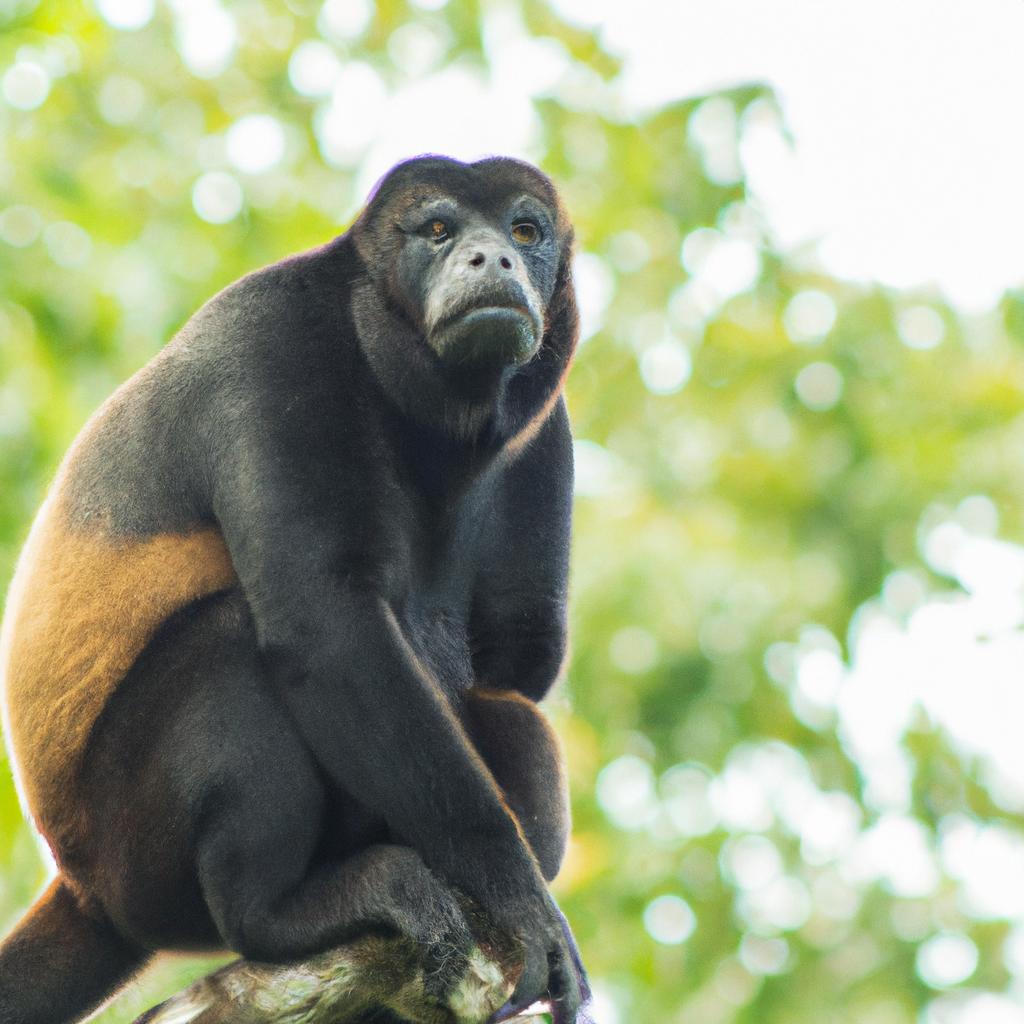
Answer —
(497, 336)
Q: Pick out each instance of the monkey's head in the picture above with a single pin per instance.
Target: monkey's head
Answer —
(472, 303)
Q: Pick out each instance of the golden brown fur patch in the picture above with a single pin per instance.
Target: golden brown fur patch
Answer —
(82, 606)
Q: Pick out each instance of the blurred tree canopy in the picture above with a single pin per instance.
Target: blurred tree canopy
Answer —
(776, 469)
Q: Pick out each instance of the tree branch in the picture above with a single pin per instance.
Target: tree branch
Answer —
(371, 980)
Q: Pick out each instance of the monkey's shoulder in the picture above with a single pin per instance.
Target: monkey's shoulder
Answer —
(277, 309)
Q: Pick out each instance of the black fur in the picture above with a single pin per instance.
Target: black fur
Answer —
(307, 754)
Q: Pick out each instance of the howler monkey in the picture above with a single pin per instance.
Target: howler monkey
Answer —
(272, 651)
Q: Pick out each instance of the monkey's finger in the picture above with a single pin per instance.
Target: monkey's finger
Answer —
(577, 964)
(564, 989)
(533, 982)
(559, 1015)
(564, 1013)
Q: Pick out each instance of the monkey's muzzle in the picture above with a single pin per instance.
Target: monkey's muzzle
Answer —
(496, 336)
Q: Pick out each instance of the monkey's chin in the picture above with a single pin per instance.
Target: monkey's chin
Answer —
(491, 338)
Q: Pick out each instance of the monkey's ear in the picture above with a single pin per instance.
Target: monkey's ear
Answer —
(562, 322)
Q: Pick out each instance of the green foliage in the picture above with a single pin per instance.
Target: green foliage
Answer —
(741, 492)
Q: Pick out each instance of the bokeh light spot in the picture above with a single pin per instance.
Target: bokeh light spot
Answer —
(946, 959)
(349, 122)
(605, 1010)
(217, 197)
(669, 920)
(207, 38)
(738, 798)
(897, 851)
(784, 904)
(684, 789)
(595, 285)
(726, 266)
(598, 472)
(629, 251)
(634, 649)
(751, 862)
(121, 99)
(126, 14)
(625, 790)
(978, 515)
(921, 327)
(345, 20)
(819, 675)
(666, 366)
(25, 85)
(974, 1008)
(809, 316)
(68, 244)
(255, 143)
(903, 591)
(20, 225)
(819, 386)
(828, 825)
(712, 128)
(416, 49)
(313, 68)
(1013, 951)
(761, 955)
(586, 147)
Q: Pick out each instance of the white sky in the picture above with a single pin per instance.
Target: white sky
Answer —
(906, 114)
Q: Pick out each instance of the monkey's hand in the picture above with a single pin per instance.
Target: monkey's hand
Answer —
(551, 972)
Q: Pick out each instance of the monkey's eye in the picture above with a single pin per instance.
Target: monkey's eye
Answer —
(525, 232)
(438, 231)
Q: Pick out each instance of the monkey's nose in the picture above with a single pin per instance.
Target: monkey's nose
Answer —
(480, 259)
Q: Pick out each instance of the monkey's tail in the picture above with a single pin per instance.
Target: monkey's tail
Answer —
(60, 962)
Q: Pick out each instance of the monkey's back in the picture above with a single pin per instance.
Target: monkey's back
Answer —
(93, 584)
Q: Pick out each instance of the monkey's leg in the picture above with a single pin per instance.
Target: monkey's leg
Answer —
(269, 908)
(60, 962)
(522, 752)
(383, 889)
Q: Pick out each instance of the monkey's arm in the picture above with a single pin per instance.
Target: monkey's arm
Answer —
(520, 602)
(374, 718)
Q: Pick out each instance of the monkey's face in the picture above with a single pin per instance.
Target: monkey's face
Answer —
(475, 252)
(479, 280)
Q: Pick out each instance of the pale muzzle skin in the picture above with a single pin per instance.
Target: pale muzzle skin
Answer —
(484, 309)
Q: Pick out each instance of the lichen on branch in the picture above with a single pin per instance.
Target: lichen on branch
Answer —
(371, 980)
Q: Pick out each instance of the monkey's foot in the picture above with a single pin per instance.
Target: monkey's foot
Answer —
(478, 992)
